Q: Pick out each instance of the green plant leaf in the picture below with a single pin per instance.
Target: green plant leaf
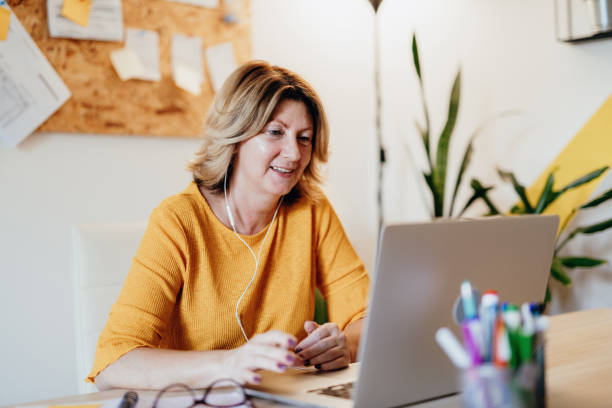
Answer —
(547, 192)
(547, 296)
(516, 210)
(558, 273)
(596, 201)
(589, 229)
(425, 139)
(415, 56)
(423, 131)
(479, 192)
(580, 261)
(429, 181)
(518, 187)
(592, 229)
(576, 183)
(584, 179)
(439, 175)
(464, 164)
(437, 206)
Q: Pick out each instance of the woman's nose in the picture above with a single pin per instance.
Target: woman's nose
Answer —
(291, 150)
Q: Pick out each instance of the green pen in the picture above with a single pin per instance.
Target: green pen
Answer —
(512, 318)
(526, 334)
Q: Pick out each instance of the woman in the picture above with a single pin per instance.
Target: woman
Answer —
(223, 282)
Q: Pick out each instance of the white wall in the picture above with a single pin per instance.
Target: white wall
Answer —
(331, 45)
(510, 60)
(52, 181)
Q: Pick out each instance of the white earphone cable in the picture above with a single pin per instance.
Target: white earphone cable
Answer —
(255, 258)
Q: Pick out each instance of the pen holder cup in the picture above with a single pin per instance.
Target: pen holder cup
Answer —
(490, 386)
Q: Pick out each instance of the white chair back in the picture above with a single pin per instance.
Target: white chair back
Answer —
(103, 255)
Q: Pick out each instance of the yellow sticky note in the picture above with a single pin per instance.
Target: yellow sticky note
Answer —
(77, 11)
(5, 17)
(589, 150)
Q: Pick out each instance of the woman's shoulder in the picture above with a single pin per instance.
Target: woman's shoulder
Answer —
(316, 203)
(187, 203)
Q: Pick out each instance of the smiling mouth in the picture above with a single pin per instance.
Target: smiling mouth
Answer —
(282, 170)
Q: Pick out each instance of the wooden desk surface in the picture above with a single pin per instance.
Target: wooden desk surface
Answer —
(579, 359)
(578, 365)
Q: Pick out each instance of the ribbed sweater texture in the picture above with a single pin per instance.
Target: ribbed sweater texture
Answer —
(190, 271)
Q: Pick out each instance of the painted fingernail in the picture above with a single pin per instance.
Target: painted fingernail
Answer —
(306, 363)
(282, 366)
(318, 366)
(257, 379)
(290, 358)
(298, 350)
(292, 343)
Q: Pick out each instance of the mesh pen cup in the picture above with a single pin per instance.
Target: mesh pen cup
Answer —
(490, 386)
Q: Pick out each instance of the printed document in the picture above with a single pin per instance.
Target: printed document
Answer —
(105, 21)
(30, 89)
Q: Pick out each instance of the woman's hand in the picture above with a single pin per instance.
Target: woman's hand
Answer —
(325, 347)
(266, 351)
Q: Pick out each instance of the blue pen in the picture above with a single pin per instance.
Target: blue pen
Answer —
(467, 299)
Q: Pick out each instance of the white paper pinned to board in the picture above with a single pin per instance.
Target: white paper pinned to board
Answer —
(30, 89)
(145, 43)
(187, 67)
(221, 63)
(105, 21)
(127, 63)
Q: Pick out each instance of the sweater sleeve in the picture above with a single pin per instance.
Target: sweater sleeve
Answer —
(341, 275)
(140, 316)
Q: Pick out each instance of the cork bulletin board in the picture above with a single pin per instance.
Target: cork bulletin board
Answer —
(101, 102)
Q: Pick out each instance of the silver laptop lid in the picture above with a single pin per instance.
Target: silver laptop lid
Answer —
(419, 270)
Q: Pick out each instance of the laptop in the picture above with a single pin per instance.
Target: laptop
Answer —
(419, 271)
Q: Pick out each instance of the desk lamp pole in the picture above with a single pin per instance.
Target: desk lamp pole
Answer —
(381, 150)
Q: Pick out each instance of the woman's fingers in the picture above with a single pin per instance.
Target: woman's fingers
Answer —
(329, 355)
(321, 332)
(281, 357)
(262, 362)
(318, 348)
(247, 377)
(275, 338)
(324, 347)
(340, 362)
(327, 343)
(267, 351)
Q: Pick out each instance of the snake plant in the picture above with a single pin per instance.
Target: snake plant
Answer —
(435, 175)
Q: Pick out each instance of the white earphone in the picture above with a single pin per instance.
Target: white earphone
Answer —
(255, 258)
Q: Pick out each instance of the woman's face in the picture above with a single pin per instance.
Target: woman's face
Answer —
(273, 161)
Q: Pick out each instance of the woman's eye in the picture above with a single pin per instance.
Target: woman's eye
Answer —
(274, 132)
(305, 140)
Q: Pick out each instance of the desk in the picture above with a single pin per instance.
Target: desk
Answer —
(579, 359)
(578, 365)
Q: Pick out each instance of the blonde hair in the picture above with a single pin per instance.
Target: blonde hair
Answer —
(241, 109)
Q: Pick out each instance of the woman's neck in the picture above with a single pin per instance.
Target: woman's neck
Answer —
(251, 213)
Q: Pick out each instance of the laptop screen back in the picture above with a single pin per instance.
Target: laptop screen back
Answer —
(420, 268)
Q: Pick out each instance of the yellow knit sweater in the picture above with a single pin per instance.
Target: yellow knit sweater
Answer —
(190, 270)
